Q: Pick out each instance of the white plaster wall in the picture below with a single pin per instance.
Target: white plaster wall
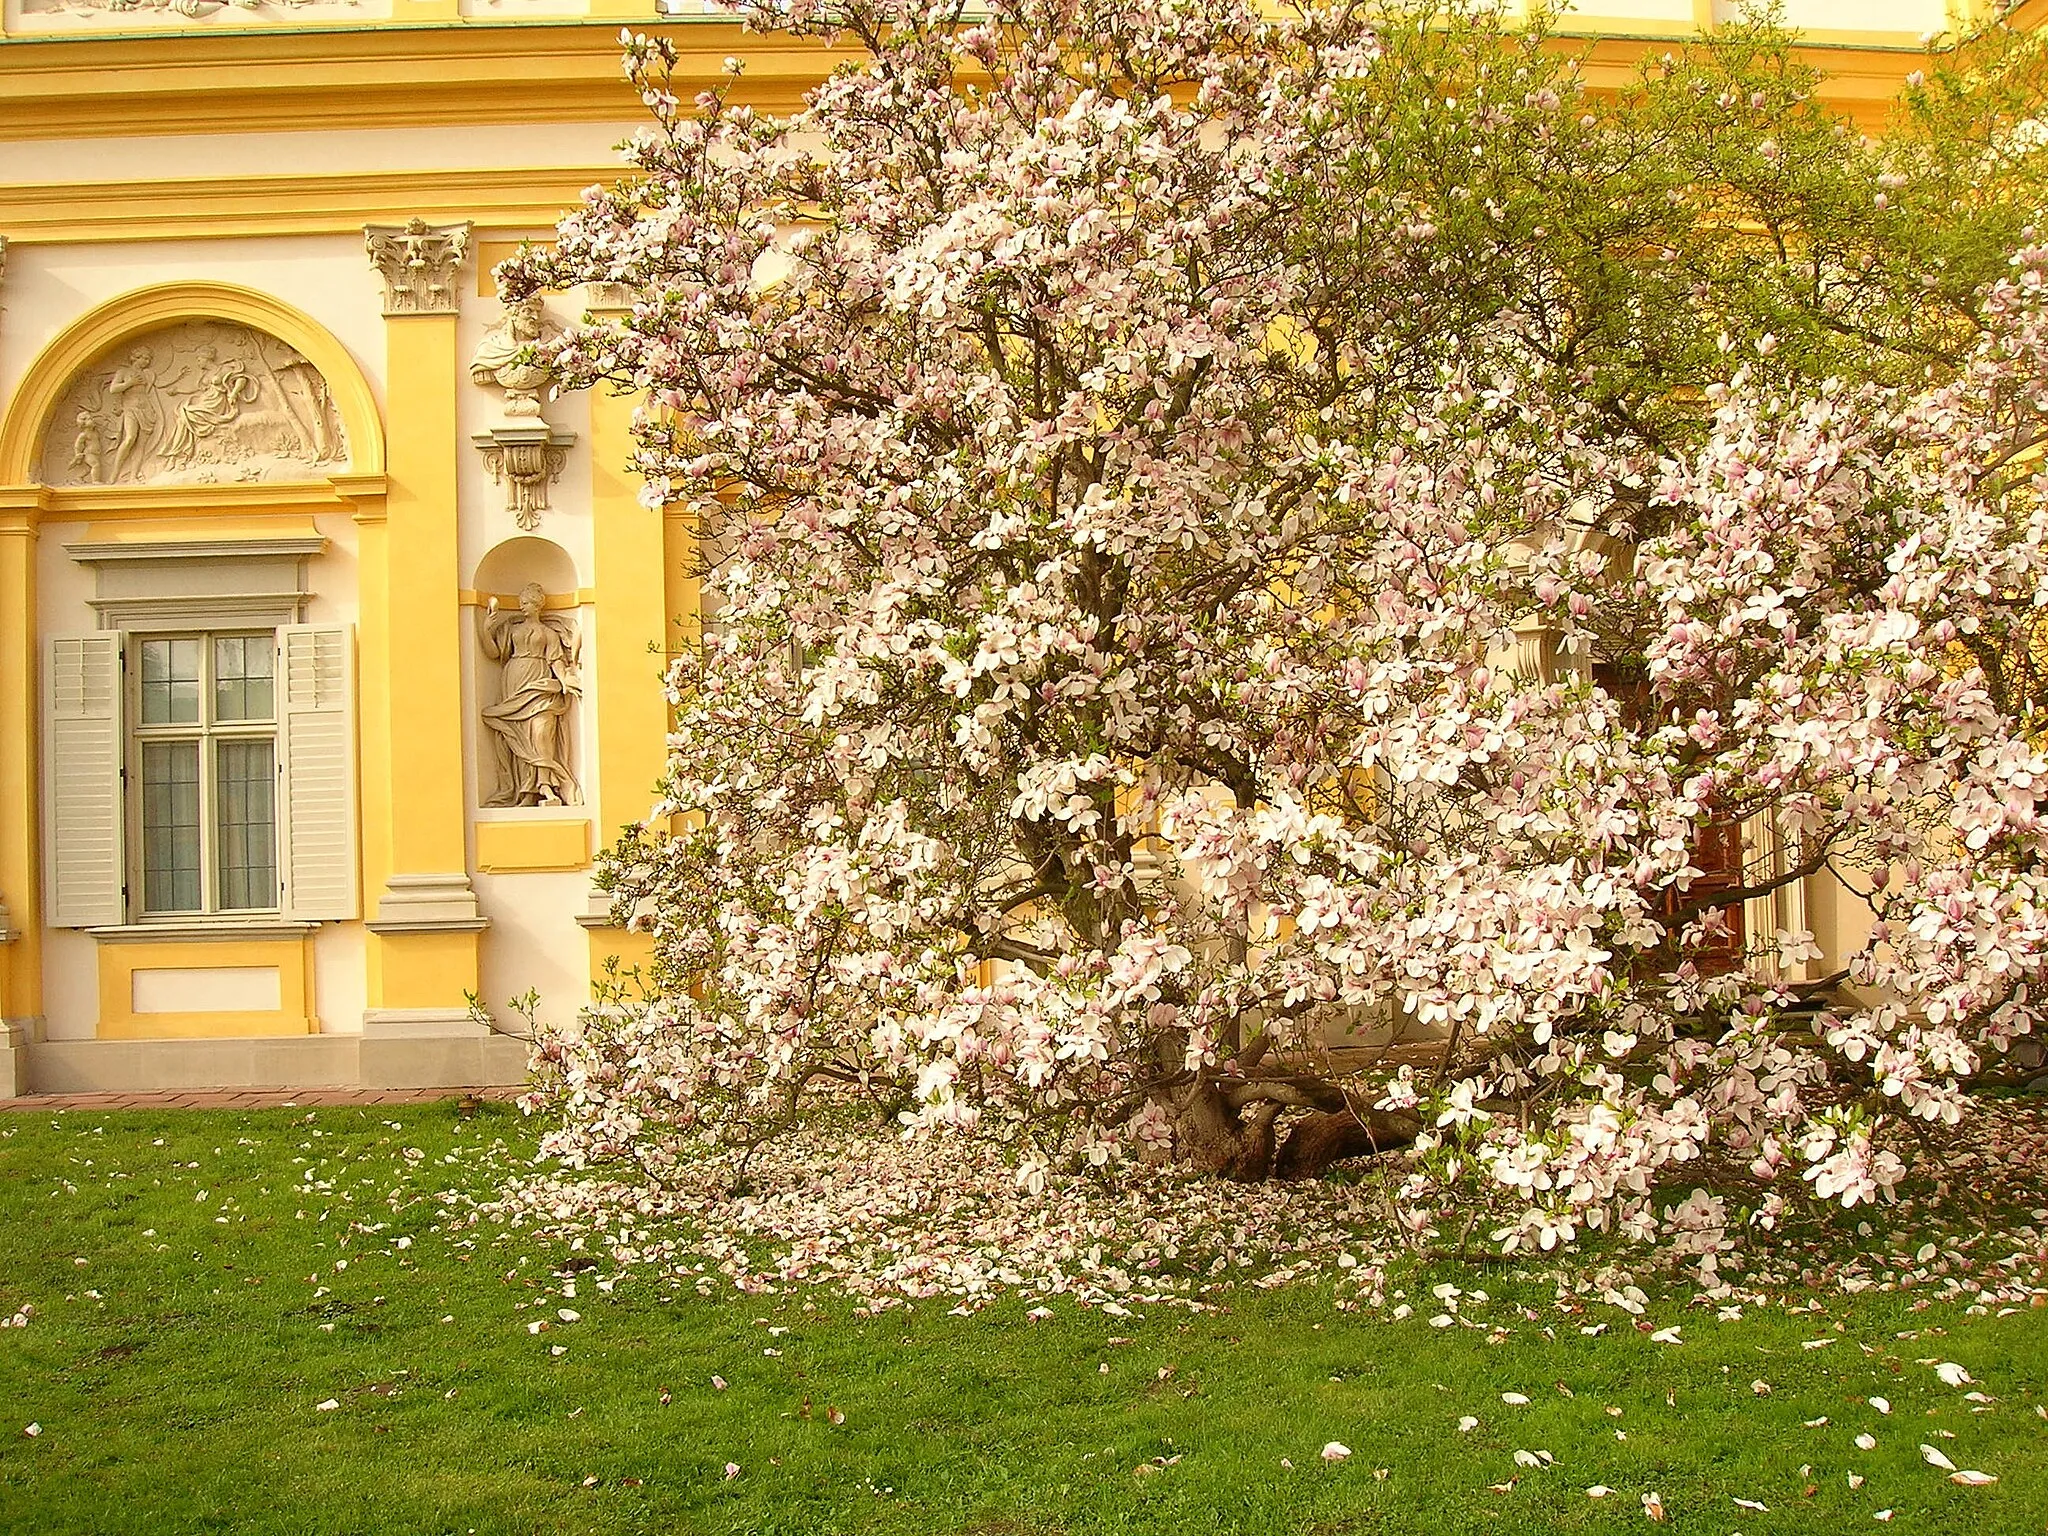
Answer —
(335, 575)
(485, 522)
(340, 990)
(71, 985)
(1913, 16)
(64, 588)
(534, 941)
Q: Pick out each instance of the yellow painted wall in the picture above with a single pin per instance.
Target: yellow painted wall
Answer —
(532, 846)
(120, 960)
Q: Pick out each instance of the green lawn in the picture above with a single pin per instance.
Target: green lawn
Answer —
(192, 1311)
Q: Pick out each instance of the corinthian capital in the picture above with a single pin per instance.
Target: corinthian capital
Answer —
(418, 262)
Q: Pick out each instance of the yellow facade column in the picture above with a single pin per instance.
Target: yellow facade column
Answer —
(422, 951)
(21, 897)
(630, 568)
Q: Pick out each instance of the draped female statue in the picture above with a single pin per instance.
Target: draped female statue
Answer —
(529, 723)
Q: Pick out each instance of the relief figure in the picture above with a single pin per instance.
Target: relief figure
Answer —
(217, 393)
(138, 414)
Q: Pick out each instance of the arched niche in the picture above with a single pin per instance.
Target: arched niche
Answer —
(191, 383)
(509, 566)
(529, 646)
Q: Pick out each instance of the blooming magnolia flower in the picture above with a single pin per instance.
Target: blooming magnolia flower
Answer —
(1136, 657)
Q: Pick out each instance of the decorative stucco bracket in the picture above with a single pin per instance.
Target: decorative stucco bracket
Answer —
(526, 458)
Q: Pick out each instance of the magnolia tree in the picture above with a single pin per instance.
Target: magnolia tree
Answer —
(1229, 538)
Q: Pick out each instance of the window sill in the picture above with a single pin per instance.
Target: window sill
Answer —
(185, 930)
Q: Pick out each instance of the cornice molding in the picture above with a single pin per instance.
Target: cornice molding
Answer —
(335, 203)
(413, 74)
(375, 76)
(196, 547)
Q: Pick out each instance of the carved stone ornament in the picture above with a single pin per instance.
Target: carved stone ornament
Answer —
(504, 357)
(526, 460)
(197, 403)
(418, 262)
(232, 12)
(538, 683)
(609, 296)
(523, 451)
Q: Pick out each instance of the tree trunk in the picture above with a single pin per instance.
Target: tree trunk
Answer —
(1322, 1139)
(1244, 1144)
(1219, 1139)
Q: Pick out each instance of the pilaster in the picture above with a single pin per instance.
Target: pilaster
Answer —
(631, 563)
(422, 952)
(21, 896)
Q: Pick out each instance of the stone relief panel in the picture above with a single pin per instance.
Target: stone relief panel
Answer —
(59, 15)
(200, 402)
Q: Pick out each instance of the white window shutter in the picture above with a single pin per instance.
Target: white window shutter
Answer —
(83, 870)
(317, 742)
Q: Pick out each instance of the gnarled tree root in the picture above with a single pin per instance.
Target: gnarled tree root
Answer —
(1322, 1139)
(1242, 1141)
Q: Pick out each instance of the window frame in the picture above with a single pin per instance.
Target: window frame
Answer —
(205, 731)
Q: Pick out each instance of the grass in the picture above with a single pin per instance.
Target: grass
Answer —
(192, 1310)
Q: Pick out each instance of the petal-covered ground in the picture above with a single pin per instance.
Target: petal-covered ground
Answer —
(882, 1220)
(303, 1322)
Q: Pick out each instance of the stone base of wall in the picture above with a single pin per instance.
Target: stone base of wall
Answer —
(314, 1061)
(13, 1059)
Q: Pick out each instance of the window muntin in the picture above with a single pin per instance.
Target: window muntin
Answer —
(206, 754)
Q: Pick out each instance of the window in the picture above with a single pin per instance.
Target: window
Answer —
(203, 773)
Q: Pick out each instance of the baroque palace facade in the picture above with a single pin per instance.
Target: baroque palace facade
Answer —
(330, 647)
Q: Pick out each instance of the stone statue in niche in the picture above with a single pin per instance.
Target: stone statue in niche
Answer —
(499, 357)
(195, 403)
(529, 724)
